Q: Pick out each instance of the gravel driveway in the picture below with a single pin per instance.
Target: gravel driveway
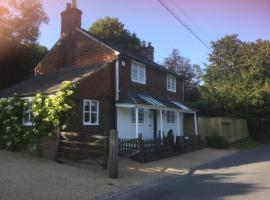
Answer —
(24, 176)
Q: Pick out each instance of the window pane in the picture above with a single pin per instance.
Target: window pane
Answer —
(132, 115)
(87, 117)
(93, 118)
(141, 115)
(141, 74)
(173, 117)
(134, 72)
(94, 106)
(87, 106)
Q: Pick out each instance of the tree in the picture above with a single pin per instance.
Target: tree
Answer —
(20, 20)
(17, 61)
(112, 29)
(237, 79)
(19, 30)
(192, 73)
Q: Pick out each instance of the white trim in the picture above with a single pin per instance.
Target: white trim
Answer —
(88, 35)
(138, 65)
(137, 121)
(178, 123)
(117, 80)
(161, 122)
(195, 122)
(125, 105)
(168, 79)
(90, 113)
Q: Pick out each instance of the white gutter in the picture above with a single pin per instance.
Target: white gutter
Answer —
(117, 80)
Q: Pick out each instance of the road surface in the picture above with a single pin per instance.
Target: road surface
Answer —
(245, 175)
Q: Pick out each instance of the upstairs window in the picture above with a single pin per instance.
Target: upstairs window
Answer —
(170, 117)
(90, 112)
(27, 115)
(140, 116)
(138, 73)
(171, 83)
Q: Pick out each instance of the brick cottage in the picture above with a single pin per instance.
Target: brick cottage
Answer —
(119, 88)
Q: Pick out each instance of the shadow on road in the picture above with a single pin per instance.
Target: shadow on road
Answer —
(217, 180)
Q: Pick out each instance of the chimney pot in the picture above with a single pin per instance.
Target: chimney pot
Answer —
(68, 6)
(143, 43)
(149, 44)
(74, 4)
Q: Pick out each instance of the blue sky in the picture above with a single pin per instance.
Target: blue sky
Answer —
(211, 19)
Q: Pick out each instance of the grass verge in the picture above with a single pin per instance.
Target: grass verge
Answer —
(245, 143)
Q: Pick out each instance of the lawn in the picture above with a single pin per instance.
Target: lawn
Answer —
(246, 143)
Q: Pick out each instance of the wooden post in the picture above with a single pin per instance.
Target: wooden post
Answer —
(140, 140)
(113, 155)
(105, 159)
(195, 123)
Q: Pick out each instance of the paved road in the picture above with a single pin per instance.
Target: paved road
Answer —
(241, 176)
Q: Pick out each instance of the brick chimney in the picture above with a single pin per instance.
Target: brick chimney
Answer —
(71, 18)
(147, 50)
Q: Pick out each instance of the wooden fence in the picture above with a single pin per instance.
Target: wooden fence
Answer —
(138, 147)
(231, 128)
(101, 149)
(71, 146)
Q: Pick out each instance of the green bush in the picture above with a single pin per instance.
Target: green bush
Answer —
(259, 128)
(217, 142)
(50, 113)
(170, 137)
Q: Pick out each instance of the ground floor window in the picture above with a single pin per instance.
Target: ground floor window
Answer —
(91, 112)
(170, 117)
(140, 115)
(27, 115)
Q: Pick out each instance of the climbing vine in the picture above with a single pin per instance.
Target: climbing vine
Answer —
(50, 114)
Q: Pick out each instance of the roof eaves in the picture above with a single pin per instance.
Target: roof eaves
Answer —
(90, 36)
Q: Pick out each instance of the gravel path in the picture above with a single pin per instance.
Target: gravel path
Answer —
(26, 177)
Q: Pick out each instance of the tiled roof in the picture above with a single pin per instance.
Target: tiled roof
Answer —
(131, 53)
(50, 83)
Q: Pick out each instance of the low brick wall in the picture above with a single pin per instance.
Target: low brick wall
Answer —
(48, 148)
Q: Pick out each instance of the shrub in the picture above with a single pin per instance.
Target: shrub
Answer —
(50, 113)
(259, 128)
(217, 142)
(170, 137)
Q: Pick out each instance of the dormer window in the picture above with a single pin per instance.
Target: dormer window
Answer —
(138, 73)
(171, 83)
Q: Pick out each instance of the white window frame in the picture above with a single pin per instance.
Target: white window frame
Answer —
(90, 112)
(27, 112)
(170, 117)
(171, 83)
(138, 66)
(141, 116)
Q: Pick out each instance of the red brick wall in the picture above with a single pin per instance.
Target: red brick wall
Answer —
(75, 49)
(99, 86)
(156, 83)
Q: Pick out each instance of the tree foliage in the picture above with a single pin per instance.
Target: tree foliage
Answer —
(237, 79)
(192, 73)
(17, 61)
(20, 20)
(112, 29)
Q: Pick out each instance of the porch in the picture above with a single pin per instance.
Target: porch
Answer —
(152, 117)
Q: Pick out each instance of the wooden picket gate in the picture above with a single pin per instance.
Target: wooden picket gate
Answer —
(74, 147)
(101, 149)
